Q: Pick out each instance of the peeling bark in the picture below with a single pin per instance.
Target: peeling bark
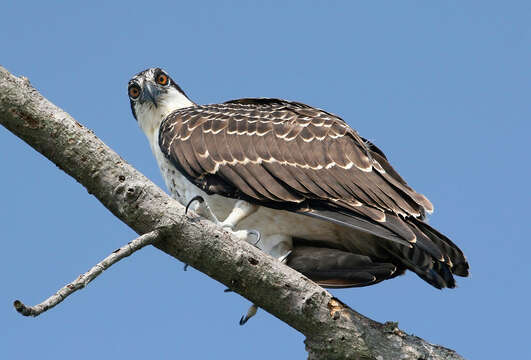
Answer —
(332, 329)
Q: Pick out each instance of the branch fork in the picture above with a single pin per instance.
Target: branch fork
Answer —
(84, 279)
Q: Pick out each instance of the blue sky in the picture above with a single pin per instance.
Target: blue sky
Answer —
(442, 87)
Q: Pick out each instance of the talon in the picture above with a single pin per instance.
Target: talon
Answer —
(195, 198)
(284, 257)
(257, 234)
(185, 267)
(227, 290)
(250, 313)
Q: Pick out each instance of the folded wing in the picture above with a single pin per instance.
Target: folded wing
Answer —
(294, 157)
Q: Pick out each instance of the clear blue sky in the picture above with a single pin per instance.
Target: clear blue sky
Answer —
(442, 87)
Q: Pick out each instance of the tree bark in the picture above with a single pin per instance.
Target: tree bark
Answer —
(332, 329)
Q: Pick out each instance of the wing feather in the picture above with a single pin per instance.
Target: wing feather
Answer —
(179, 152)
(287, 150)
(310, 163)
(289, 155)
(234, 157)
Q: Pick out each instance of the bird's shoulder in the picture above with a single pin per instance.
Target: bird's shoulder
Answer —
(267, 117)
(264, 109)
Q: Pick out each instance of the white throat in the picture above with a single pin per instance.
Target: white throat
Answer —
(150, 117)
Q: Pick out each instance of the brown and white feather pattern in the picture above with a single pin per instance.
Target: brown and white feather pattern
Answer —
(290, 156)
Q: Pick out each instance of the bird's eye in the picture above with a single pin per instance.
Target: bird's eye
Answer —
(162, 79)
(134, 92)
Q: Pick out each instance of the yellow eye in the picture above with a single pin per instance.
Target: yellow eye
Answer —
(134, 92)
(162, 79)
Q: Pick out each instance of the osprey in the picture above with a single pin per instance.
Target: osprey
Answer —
(297, 182)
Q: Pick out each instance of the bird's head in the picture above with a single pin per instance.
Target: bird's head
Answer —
(154, 95)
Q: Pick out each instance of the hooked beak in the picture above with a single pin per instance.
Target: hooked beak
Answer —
(150, 93)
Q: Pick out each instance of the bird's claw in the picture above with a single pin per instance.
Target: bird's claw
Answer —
(194, 199)
(257, 234)
(250, 313)
(243, 320)
(284, 257)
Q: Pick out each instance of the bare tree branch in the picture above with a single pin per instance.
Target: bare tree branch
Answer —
(84, 279)
(332, 329)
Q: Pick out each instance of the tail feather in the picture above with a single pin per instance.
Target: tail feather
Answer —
(439, 276)
(338, 269)
(436, 273)
(431, 255)
(459, 264)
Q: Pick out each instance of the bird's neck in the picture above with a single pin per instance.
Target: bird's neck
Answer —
(150, 117)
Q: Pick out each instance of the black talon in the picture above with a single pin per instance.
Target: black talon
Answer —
(250, 313)
(257, 234)
(243, 320)
(227, 290)
(185, 267)
(195, 198)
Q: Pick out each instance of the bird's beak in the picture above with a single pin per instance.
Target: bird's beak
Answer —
(150, 93)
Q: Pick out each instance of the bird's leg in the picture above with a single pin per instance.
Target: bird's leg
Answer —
(202, 209)
(278, 246)
(240, 211)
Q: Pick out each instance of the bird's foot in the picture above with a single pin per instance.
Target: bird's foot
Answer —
(250, 313)
(202, 209)
(251, 236)
(240, 211)
(284, 258)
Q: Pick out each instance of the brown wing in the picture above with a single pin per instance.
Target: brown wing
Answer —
(288, 154)
(291, 156)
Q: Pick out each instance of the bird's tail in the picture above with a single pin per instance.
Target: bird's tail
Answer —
(336, 268)
(433, 257)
